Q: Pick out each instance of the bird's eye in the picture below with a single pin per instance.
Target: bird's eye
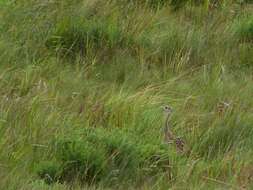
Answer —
(166, 108)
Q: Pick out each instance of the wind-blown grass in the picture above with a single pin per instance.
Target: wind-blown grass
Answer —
(83, 82)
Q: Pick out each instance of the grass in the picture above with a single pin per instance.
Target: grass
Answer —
(83, 82)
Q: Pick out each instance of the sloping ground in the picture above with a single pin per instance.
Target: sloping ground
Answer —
(82, 84)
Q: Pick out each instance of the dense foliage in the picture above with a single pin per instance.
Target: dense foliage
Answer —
(82, 84)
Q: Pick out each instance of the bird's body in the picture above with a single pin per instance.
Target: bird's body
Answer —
(180, 144)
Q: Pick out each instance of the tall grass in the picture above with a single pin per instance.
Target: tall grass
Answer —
(83, 82)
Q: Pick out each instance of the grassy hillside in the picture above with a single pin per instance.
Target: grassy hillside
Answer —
(82, 83)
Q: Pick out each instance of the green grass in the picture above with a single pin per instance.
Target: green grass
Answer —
(82, 84)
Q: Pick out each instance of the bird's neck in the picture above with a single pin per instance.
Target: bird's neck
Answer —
(167, 121)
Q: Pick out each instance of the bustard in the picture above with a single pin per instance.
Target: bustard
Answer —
(169, 137)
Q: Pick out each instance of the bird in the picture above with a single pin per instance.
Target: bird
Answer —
(169, 137)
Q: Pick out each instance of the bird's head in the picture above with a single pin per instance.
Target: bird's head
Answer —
(167, 109)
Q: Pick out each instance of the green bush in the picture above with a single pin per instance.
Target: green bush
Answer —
(81, 160)
(176, 4)
(224, 136)
(157, 3)
(79, 35)
(49, 171)
(244, 29)
(94, 155)
(245, 55)
(123, 153)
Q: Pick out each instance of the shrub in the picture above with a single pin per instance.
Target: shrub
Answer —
(224, 136)
(176, 4)
(244, 30)
(94, 155)
(49, 171)
(78, 35)
(157, 3)
(81, 160)
(244, 55)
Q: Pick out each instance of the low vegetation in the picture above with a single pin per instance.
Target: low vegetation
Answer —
(82, 84)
